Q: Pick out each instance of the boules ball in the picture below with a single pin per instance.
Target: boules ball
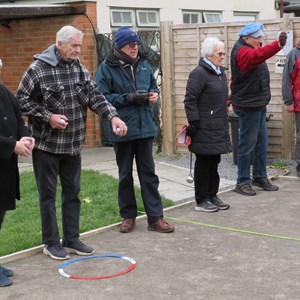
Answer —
(190, 179)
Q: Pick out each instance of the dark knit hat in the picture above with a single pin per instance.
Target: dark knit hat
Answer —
(125, 36)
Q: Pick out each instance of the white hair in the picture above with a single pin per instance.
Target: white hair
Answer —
(66, 33)
(208, 45)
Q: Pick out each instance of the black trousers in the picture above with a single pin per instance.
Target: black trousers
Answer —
(141, 150)
(2, 214)
(47, 168)
(206, 176)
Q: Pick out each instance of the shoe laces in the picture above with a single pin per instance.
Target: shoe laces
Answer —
(57, 246)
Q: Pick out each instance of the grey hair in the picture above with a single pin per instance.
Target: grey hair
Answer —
(207, 47)
(65, 34)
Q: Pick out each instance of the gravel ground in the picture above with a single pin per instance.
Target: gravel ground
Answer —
(227, 169)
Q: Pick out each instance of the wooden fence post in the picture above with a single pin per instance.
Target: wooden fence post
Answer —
(288, 120)
(168, 118)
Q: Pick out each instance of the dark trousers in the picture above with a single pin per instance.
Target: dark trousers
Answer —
(2, 214)
(47, 168)
(141, 150)
(206, 176)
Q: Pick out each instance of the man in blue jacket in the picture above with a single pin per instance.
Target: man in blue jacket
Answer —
(126, 80)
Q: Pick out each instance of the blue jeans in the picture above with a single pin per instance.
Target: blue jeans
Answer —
(47, 168)
(253, 143)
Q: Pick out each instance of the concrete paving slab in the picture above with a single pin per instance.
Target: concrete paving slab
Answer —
(250, 251)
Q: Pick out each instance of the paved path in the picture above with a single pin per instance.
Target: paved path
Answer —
(249, 252)
(173, 184)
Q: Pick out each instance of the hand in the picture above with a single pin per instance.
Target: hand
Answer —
(58, 121)
(153, 97)
(21, 149)
(282, 39)
(192, 128)
(29, 142)
(118, 126)
(289, 108)
(138, 97)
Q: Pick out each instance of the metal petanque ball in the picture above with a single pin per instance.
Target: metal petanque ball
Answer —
(190, 179)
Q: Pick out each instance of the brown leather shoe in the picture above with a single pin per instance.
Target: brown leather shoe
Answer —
(127, 225)
(161, 226)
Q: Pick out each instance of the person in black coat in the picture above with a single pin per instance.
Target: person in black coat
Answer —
(14, 141)
(205, 107)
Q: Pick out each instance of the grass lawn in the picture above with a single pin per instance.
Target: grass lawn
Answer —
(21, 228)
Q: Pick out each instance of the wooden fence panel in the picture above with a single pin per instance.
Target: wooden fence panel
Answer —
(186, 47)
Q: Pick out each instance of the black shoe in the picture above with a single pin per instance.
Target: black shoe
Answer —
(265, 184)
(78, 248)
(206, 206)
(56, 251)
(219, 203)
(244, 189)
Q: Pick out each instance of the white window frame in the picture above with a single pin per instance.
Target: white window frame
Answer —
(114, 24)
(149, 24)
(206, 13)
(198, 13)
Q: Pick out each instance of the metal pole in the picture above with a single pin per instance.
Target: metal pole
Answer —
(281, 8)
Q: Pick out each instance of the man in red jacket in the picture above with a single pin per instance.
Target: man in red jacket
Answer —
(291, 94)
(250, 90)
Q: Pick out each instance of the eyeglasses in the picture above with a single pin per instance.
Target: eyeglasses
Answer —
(221, 53)
(132, 45)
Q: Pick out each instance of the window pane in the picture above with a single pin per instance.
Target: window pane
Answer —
(186, 18)
(147, 18)
(152, 17)
(127, 17)
(212, 17)
(216, 18)
(194, 18)
(209, 18)
(117, 18)
(143, 17)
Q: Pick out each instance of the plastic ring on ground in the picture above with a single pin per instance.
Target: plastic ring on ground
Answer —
(63, 266)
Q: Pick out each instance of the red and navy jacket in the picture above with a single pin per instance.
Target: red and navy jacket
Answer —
(291, 79)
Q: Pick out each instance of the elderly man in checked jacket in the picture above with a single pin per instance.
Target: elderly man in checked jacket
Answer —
(55, 93)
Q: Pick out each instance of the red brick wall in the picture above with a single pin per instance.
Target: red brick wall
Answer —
(27, 37)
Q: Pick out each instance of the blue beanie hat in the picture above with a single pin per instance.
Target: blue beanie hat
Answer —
(125, 36)
(254, 29)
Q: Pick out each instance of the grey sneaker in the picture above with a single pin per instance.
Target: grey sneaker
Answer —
(78, 248)
(4, 280)
(244, 189)
(265, 184)
(206, 206)
(219, 203)
(56, 251)
(6, 272)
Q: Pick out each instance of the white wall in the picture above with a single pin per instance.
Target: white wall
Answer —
(171, 10)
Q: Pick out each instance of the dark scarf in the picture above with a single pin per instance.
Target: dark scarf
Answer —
(124, 57)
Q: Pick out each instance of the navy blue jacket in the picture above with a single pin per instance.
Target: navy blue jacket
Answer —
(115, 83)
